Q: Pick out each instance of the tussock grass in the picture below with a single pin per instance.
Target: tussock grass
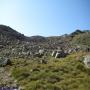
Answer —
(58, 74)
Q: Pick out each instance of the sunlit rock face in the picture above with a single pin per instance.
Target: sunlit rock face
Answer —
(87, 61)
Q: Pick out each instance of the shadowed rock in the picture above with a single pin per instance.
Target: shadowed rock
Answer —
(59, 53)
(5, 61)
(54, 53)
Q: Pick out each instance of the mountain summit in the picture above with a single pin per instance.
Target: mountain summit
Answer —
(9, 33)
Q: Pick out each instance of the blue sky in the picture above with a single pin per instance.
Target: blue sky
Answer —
(45, 17)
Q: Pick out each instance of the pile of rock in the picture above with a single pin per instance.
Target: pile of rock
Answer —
(59, 53)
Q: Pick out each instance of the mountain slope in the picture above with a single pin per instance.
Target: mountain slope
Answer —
(13, 40)
(8, 35)
(82, 39)
(46, 72)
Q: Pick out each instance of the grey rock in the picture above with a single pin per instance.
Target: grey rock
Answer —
(87, 61)
(4, 61)
(54, 53)
(88, 49)
(59, 53)
(41, 51)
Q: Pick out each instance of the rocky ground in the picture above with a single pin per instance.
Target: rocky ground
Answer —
(44, 63)
(5, 76)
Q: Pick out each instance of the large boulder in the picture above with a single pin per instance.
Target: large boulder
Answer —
(53, 53)
(4, 61)
(72, 50)
(87, 49)
(87, 61)
(38, 55)
(59, 53)
(41, 51)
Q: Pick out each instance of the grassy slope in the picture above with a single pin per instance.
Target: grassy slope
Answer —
(82, 39)
(58, 74)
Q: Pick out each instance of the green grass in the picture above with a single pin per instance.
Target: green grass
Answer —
(58, 74)
(82, 39)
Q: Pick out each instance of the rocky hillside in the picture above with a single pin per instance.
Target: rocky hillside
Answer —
(7, 34)
(12, 41)
(81, 37)
(44, 63)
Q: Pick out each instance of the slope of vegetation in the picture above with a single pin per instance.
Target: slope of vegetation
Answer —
(67, 73)
(82, 38)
